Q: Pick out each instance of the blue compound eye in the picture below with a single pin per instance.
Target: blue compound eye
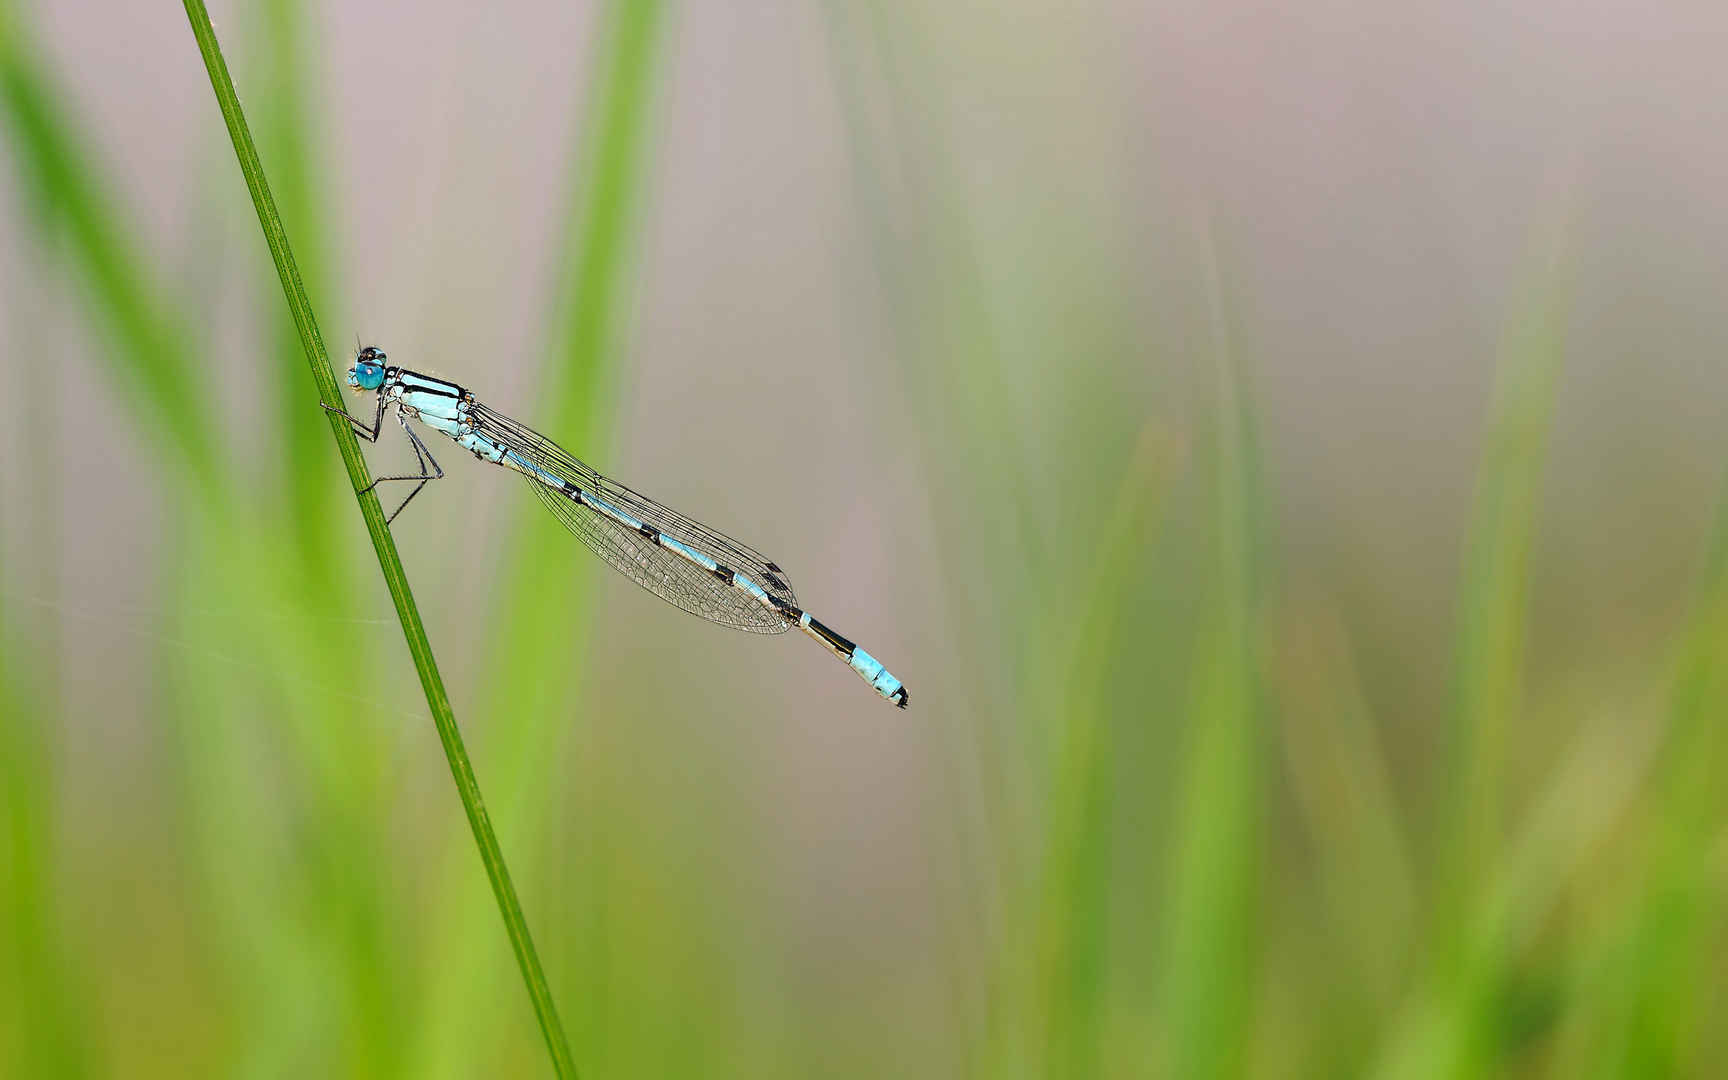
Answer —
(367, 376)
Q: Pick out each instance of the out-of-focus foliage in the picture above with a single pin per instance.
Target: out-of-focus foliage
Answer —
(1278, 452)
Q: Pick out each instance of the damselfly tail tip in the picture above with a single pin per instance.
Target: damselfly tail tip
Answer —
(899, 697)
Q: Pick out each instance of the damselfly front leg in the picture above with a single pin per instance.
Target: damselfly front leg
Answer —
(421, 455)
(370, 434)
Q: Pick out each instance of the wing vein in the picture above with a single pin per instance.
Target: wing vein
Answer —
(660, 570)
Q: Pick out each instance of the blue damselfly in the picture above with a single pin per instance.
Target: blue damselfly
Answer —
(677, 559)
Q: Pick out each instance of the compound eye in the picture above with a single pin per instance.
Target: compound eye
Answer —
(368, 376)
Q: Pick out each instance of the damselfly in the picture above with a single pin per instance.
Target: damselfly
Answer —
(679, 560)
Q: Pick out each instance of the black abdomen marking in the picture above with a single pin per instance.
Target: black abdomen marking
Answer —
(833, 639)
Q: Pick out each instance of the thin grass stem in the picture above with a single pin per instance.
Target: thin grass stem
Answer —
(395, 579)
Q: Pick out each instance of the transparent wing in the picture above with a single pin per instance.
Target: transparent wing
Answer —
(662, 572)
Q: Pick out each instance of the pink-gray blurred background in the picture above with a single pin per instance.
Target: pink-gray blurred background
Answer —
(1279, 449)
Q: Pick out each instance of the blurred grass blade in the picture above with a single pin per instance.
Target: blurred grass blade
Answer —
(1494, 614)
(286, 124)
(1077, 907)
(41, 1031)
(419, 647)
(1646, 999)
(541, 611)
(578, 383)
(57, 166)
(1450, 1030)
(601, 247)
(340, 754)
(1209, 951)
(1494, 606)
(1344, 790)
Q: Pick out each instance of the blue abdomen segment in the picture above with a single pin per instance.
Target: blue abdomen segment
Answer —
(689, 553)
(874, 673)
(739, 581)
(868, 667)
(533, 470)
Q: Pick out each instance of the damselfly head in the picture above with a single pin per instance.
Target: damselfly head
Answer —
(368, 370)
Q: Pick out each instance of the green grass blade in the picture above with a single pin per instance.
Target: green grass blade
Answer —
(390, 563)
(1210, 953)
(58, 168)
(42, 1032)
(1646, 997)
(288, 129)
(579, 376)
(1076, 912)
(1451, 1031)
(1489, 675)
(1493, 610)
(604, 225)
(539, 619)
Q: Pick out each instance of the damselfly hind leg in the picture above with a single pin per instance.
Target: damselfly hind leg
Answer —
(421, 455)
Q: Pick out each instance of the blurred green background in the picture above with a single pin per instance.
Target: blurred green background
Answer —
(1278, 449)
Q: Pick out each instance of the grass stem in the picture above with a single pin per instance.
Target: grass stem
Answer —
(437, 700)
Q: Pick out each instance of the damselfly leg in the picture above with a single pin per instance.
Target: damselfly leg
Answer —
(370, 433)
(422, 455)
